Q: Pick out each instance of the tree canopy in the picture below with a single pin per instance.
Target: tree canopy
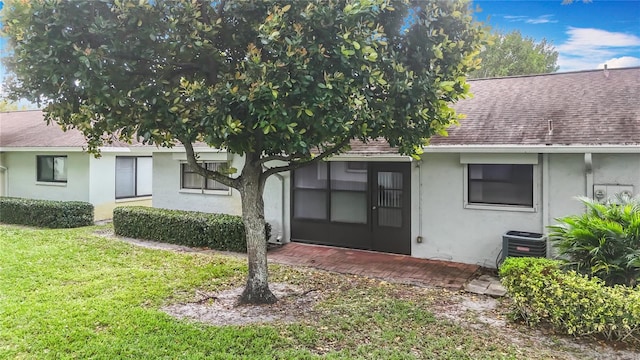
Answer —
(293, 81)
(511, 54)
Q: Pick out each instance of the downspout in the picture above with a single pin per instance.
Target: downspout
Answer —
(420, 238)
(5, 172)
(282, 212)
(588, 174)
(544, 212)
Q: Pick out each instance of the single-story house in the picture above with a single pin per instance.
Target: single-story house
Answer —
(528, 146)
(41, 161)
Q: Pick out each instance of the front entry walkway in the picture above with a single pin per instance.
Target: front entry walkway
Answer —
(390, 267)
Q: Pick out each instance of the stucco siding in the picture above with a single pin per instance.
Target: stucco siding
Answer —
(102, 189)
(453, 232)
(22, 169)
(104, 210)
(566, 181)
(168, 195)
(617, 169)
(274, 213)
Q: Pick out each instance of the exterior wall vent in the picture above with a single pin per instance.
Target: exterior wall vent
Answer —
(523, 244)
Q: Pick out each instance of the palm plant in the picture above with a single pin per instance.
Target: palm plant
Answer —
(604, 241)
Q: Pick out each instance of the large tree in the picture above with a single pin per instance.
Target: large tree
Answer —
(511, 54)
(282, 83)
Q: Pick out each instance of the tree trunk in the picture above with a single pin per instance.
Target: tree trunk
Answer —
(257, 289)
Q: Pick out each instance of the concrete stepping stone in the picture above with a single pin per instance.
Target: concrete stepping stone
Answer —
(486, 285)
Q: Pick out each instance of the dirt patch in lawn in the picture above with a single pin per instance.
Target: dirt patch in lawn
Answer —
(298, 296)
(221, 309)
(483, 312)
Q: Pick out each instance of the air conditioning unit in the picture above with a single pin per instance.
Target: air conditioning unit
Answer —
(523, 244)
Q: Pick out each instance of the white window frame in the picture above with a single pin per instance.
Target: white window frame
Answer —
(53, 181)
(511, 159)
(202, 190)
(135, 196)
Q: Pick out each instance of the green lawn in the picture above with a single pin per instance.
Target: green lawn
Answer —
(73, 294)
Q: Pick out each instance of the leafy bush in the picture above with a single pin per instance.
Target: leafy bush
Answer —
(45, 213)
(190, 228)
(603, 242)
(571, 302)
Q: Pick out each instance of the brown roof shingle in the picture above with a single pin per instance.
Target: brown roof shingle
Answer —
(599, 107)
(29, 129)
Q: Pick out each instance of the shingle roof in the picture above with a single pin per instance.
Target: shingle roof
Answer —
(599, 107)
(373, 147)
(28, 129)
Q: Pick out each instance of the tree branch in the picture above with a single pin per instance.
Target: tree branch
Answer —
(208, 174)
(295, 165)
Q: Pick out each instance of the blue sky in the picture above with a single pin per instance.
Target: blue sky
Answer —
(586, 35)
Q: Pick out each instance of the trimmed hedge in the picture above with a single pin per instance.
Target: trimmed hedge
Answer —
(570, 302)
(190, 228)
(45, 213)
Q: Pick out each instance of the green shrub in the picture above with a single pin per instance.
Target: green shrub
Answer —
(570, 302)
(603, 242)
(45, 213)
(190, 228)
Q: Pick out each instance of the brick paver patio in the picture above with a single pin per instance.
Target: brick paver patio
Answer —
(390, 267)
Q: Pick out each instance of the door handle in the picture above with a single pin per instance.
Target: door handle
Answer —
(374, 207)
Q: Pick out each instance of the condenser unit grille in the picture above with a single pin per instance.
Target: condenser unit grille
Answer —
(523, 244)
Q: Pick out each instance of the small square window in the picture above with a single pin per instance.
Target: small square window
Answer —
(193, 180)
(51, 168)
(500, 184)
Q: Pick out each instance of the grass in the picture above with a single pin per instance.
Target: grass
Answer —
(68, 294)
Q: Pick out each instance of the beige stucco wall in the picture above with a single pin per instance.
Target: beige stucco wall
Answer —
(167, 193)
(453, 232)
(104, 211)
(449, 229)
(102, 187)
(88, 179)
(22, 170)
(617, 169)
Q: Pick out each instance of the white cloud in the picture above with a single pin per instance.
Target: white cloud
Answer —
(513, 18)
(586, 48)
(621, 62)
(542, 19)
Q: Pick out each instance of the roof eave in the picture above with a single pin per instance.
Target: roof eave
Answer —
(560, 149)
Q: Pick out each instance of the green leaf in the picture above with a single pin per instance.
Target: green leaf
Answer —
(308, 112)
(84, 60)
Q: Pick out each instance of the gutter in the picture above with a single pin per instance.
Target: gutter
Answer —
(41, 149)
(588, 175)
(545, 200)
(282, 214)
(536, 149)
